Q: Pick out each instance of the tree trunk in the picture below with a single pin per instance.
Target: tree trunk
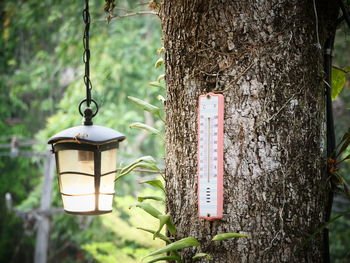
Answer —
(264, 57)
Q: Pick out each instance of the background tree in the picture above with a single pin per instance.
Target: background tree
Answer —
(266, 58)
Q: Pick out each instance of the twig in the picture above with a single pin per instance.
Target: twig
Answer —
(239, 76)
(130, 14)
(123, 9)
(338, 68)
(284, 105)
(143, 3)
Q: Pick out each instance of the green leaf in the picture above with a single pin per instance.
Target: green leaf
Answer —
(155, 84)
(318, 230)
(126, 171)
(150, 166)
(338, 81)
(142, 126)
(344, 145)
(226, 236)
(155, 183)
(162, 221)
(159, 62)
(161, 50)
(166, 258)
(159, 235)
(166, 219)
(161, 98)
(171, 227)
(149, 209)
(145, 105)
(160, 77)
(347, 157)
(345, 137)
(156, 198)
(180, 244)
(146, 159)
(146, 162)
(202, 255)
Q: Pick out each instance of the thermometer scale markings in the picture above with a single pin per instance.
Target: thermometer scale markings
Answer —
(208, 150)
(210, 156)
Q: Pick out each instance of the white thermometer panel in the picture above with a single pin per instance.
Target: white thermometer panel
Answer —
(210, 156)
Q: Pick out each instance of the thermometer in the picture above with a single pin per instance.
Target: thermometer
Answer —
(210, 156)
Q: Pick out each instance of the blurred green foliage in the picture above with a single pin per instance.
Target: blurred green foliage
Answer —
(340, 229)
(129, 244)
(41, 85)
(340, 239)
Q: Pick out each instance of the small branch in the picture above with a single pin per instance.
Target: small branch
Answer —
(130, 14)
(338, 68)
(239, 76)
(143, 3)
(284, 105)
(123, 9)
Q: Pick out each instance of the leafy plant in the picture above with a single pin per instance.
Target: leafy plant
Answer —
(338, 182)
(338, 80)
(171, 249)
(125, 243)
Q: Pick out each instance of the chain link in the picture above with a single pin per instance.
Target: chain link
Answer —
(86, 54)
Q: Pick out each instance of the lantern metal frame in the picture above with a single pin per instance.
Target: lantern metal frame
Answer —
(97, 174)
(95, 139)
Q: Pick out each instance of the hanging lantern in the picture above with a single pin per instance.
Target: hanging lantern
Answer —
(86, 165)
(86, 155)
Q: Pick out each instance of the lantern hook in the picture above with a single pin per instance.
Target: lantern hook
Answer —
(88, 114)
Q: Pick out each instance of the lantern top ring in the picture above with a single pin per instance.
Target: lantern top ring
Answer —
(81, 104)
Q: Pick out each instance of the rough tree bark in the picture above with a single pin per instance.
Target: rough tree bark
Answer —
(263, 56)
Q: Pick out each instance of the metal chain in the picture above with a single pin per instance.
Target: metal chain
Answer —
(88, 113)
(86, 54)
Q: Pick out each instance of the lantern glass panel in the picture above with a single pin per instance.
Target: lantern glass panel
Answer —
(76, 161)
(105, 202)
(83, 203)
(108, 161)
(76, 184)
(107, 183)
(108, 168)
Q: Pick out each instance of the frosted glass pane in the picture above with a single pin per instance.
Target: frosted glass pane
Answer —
(79, 203)
(107, 183)
(76, 161)
(108, 161)
(105, 202)
(75, 184)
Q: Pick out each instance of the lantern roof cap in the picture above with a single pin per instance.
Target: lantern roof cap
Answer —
(88, 134)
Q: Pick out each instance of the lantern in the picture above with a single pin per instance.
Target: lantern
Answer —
(86, 155)
(86, 166)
